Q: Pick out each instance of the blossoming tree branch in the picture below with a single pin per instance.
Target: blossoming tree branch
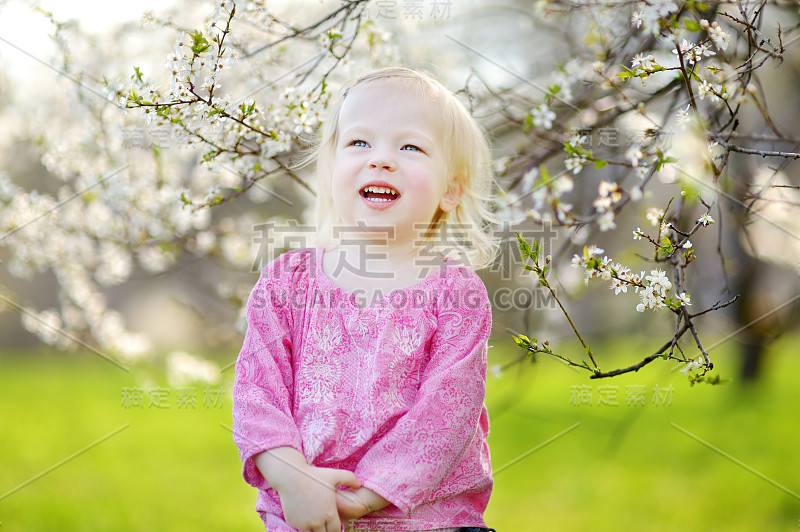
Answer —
(675, 69)
(657, 115)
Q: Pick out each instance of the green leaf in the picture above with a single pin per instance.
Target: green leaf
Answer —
(691, 24)
(715, 380)
(544, 174)
(663, 160)
(521, 340)
(524, 247)
(527, 124)
(599, 163)
(199, 43)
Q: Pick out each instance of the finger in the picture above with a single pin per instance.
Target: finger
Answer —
(346, 499)
(334, 525)
(344, 477)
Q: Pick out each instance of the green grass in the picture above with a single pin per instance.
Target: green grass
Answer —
(620, 468)
(632, 467)
(169, 469)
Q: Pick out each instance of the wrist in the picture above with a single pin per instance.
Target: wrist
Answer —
(374, 501)
(280, 466)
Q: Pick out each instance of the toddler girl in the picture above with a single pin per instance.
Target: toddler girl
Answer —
(358, 398)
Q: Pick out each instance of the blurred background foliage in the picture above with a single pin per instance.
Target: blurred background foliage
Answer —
(623, 467)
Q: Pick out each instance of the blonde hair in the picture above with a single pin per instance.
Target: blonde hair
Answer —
(469, 164)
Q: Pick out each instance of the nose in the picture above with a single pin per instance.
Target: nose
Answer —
(382, 161)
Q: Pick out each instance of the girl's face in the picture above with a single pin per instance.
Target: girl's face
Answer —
(389, 167)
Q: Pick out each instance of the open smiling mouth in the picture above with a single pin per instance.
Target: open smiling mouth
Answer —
(379, 194)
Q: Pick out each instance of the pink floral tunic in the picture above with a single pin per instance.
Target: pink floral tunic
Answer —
(392, 391)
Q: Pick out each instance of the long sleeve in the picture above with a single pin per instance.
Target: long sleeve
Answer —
(409, 463)
(262, 389)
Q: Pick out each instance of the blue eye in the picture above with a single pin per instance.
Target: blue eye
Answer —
(359, 143)
(416, 148)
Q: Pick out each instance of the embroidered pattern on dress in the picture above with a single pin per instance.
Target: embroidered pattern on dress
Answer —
(320, 373)
(316, 427)
(393, 394)
(403, 371)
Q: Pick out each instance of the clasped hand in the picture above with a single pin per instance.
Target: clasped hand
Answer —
(320, 499)
(315, 499)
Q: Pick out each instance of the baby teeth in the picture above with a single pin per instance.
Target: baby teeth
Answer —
(381, 190)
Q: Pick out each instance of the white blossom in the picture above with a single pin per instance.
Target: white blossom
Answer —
(577, 139)
(692, 364)
(528, 179)
(645, 61)
(652, 289)
(705, 220)
(658, 278)
(682, 118)
(719, 36)
(708, 89)
(634, 154)
(654, 215)
(115, 265)
(542, 116)
(650, 13)
(692, 53)
(606, 221)
(7, 188)
(608, 194)
(575, 163)
(593, 251)
(46, 324)
(700, 51)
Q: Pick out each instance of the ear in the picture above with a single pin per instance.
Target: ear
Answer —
(451, 196)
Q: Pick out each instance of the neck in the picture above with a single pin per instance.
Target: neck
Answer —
(366, 256)
(378, 264)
